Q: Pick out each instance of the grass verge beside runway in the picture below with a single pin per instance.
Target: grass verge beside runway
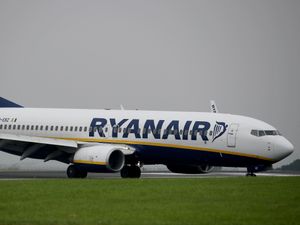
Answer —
(260, 200)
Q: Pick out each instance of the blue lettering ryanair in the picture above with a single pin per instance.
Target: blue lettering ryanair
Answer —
(190, 129)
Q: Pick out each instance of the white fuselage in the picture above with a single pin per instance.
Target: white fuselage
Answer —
(158, 137)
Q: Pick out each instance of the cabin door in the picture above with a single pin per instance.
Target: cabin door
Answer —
(231, 136)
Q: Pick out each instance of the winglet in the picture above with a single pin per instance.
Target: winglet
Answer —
(4, 103)
(213, 107)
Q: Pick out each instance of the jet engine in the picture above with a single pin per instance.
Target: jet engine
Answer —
(198, 169)
(99, 158)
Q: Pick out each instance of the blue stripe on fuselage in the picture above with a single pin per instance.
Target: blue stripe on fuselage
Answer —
(167, 155)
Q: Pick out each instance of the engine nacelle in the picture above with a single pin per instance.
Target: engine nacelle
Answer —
(102, 158)
(190, 169)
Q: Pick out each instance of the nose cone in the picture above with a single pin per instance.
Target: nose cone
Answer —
(284, 148)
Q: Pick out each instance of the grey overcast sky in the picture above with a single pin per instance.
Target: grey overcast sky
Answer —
(154, 55)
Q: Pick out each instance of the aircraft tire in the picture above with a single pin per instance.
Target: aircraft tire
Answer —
(136, 173)
(125, 172)
(74, 172)
(250, 175)
(83, 173)
(131, 172)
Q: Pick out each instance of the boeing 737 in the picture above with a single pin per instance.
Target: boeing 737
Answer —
(125, 140)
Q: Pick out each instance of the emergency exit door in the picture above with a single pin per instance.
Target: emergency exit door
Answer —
(231, 136)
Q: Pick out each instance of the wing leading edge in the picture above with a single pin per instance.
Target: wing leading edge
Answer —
(48, 148)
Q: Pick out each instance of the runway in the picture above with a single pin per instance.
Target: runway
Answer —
(23, 175)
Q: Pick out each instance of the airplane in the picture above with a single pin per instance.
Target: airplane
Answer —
(103, 141)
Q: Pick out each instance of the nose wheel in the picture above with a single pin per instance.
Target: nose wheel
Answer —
(250, 175)
(250, 172)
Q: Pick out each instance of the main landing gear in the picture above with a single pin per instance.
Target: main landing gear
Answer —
(76, 172)
(131, 171)
(128, 171)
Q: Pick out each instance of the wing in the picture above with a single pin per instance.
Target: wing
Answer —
(45, 148)
(38, 147)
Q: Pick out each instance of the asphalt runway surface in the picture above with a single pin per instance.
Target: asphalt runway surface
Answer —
(23, 175)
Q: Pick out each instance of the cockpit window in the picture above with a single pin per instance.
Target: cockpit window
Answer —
(271, 132)
(260, 133)
(254, 132)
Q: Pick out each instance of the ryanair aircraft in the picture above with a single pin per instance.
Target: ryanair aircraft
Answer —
(125, 140)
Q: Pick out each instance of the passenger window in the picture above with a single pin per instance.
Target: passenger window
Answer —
(75, 129)
(18, 127)
(5, 127)
(66, 128)
(14, 127)
(51, 128)
(41, 127)
(46, 128)
(1, 127)
(23, 127)
(56, 128)
(80, 129)
(71, 128)
(85, 129)
(36, 127)
(27, 127)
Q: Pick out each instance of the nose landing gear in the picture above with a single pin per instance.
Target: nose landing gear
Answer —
(251, 170)
(250, 174)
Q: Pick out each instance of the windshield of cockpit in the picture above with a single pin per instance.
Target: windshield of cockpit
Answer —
(260, 133)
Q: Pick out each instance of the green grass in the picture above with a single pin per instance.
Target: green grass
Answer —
(260, 200)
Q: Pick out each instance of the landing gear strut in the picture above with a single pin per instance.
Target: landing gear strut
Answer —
(76, 172)
(250, 172)
(132, 171)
